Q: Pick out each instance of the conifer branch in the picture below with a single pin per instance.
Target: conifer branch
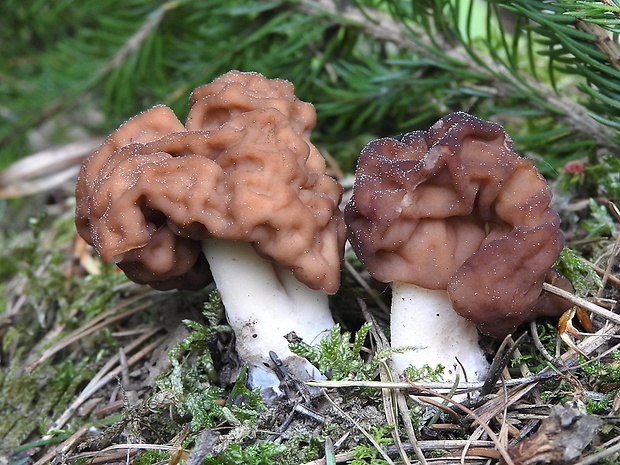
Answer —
(504, 81)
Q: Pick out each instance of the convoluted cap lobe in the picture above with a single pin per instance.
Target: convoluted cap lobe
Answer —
(234, 93)
(250, 178)
(455, 208)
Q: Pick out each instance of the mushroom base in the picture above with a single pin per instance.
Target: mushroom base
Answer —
(424, 319)
(263, 303)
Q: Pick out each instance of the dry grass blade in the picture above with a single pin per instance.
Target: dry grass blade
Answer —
(90, 327)
(62, 448)
(394, 402)
(372, 440)
(391, 407)
(439, 386)
(451, 413)
(120, 453)
(495, 406)
(45, 170)
(588, 346)
(107, 374)
(481, 422)
(601, 271)
(448, 444)
(595, 458)
(538, 343)
(614, 251)
(370, 291)
(500, 361)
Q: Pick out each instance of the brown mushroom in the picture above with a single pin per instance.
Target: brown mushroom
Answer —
(235, 93)
(163, 260)
(454, 214)
(244, 195)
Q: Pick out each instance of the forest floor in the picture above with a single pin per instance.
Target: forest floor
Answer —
(96, 369)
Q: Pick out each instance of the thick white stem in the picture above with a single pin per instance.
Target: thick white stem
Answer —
(263, 303)
(424, 318)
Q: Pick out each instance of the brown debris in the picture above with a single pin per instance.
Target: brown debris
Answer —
(561, 437)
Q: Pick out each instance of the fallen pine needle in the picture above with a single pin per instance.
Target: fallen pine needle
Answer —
(105, 375)
(462, 386)
(372, 440)
(500, 447)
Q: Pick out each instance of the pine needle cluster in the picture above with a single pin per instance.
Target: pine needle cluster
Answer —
(548, 71)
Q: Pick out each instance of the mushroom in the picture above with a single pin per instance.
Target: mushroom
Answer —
(242, 196)
(461, 226)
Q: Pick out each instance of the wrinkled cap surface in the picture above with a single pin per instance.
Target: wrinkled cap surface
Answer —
(237, 92)
(154, 190)
(455, 208)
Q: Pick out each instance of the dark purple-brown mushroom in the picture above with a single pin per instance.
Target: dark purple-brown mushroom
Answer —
(461, 225)
(241, 195)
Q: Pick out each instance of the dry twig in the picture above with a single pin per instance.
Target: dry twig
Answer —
(583, 303)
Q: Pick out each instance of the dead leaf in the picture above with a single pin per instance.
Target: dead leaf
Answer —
(567, 330)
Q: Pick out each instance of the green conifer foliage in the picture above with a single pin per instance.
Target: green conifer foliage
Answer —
(548, 71)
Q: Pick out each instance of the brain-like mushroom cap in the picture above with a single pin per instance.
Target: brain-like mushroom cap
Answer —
(236, 92)
(160, 189)
(455, 208)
